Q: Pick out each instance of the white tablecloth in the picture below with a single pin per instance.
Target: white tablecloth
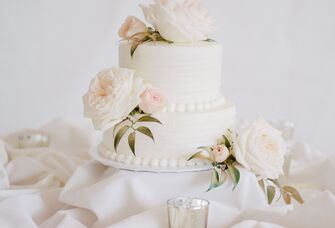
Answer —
(62, 187)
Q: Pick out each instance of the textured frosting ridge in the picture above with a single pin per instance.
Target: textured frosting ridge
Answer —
(181, 134)
(185, 73)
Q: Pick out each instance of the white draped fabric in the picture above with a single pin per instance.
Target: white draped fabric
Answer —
(62, 187)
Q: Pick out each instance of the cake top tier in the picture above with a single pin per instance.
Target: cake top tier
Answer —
(171, 21)
(185, 73)
(174, 52)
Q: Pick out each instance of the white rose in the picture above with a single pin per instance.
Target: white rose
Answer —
(112, 95)
(179, 20)
(260, 148)
(220, 153)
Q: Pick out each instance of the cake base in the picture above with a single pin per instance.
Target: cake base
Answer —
(132, 163)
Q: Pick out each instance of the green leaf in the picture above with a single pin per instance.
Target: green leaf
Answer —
(131, 142)
(215, 181)
(119, 136)
(235, 174)
(149, 119)
(210, 40)
(133, 48)
(271, 192)
(205, 148)
(261, 184)
(275, 182)
(201, 155)
(286, 197)
(294, 193)
(146, 131)
(226, 141)
(117, 127)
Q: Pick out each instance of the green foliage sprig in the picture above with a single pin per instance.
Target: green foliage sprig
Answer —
(128, 124)
(151, 35)
(223, 169)
(270, 188)
(142, 37)
(228, 168)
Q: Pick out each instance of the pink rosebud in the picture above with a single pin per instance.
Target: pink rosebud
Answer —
(152, 101)
(132, 26)
(221, 153)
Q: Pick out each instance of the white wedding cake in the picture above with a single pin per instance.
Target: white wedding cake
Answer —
(178, 86)
(196, 114)
(161, 109)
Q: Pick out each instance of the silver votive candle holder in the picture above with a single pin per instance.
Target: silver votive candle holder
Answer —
(33, 139)
(187, 212)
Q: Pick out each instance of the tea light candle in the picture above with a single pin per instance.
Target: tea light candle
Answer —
(33, 139)
(185, 212)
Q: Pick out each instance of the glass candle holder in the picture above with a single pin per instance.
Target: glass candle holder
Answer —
(186, 212)
(33, 139)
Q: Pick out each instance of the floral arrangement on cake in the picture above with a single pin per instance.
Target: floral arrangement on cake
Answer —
(259, 148)
(182, 21)
(118, 99)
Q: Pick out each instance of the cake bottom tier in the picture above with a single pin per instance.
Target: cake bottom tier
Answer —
(175, 141)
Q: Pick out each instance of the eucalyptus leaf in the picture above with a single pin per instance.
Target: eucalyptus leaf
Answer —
(119, 136)
(209, 40)
(261, 184)
(286, 197)
(294, 193)
(201, 155)
(117, 127)
(146, 131)
(133, 48)
(205, 148)
(215, 181)
(275, 182)
(153, 37)
(270, 192)
(221, 141)
(131, 142)
(235, 174)
(133, 113)
(226, 141)
(148, 119)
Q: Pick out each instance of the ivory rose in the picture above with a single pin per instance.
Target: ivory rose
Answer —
(152, 101)
(132, 26)
(260, 148)
(220, 153)
(179, 20)
(112, 95)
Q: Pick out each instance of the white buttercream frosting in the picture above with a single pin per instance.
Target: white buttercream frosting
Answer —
(197, 114)
(180, 135)
(185, 73)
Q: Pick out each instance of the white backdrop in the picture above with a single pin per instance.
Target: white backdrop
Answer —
(279, 59)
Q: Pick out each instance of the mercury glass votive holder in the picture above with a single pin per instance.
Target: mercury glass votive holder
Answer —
(187, 212)
(33, 139)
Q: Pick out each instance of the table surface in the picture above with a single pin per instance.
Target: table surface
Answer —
(61, 186)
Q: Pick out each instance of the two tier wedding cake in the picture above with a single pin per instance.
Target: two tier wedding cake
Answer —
(176, 80)
(161, 109)
(194, 114)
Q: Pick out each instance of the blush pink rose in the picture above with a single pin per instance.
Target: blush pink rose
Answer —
(221, 153)
(152, 101)
(132, 26)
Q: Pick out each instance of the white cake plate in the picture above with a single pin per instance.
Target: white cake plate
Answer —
(149, 168)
